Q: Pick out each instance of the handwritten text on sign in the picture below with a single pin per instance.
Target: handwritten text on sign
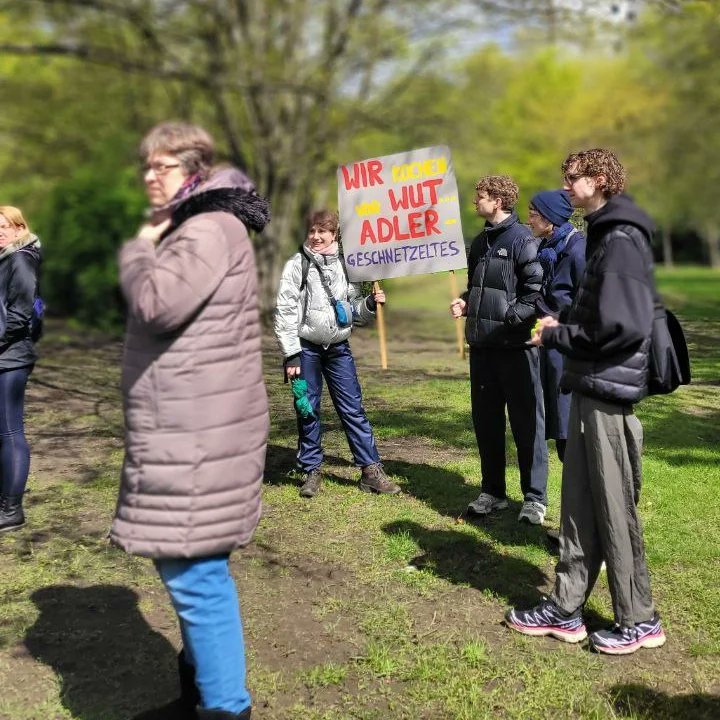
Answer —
(399, 215)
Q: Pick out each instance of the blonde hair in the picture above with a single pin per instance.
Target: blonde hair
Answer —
(190, 144)
(15, 217)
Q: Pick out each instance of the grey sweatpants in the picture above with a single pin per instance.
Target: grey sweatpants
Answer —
(598, 515)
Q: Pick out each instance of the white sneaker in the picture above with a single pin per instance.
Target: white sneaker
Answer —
(532, 512)
(485, 504)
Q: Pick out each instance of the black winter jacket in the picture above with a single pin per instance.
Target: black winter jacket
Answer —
(504, 283)
(606, 336)
(18, 288)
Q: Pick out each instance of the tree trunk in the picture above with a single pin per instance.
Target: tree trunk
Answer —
(712, 239)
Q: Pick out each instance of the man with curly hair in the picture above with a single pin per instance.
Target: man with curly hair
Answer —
(605, 337)
(504, 283)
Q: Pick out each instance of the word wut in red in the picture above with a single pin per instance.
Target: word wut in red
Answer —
(406, 222)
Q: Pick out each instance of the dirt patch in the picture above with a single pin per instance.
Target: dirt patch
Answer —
(105, 648)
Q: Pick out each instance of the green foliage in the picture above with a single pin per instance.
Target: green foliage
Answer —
(84, 222)
(312, 85)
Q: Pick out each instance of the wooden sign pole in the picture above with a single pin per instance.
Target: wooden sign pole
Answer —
(458, 324)
(381, 329)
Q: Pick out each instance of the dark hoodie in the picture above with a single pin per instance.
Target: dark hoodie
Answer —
(18, 288)
(607, 330)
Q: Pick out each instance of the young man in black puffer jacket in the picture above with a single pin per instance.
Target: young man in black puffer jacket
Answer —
(605, 337)
(504, 283)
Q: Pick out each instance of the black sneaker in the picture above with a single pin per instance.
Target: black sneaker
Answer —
(625, 640)
(547, 619)
(374, 479)
(311, 483)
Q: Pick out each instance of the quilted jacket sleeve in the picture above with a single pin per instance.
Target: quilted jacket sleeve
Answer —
(362, 314)
(288, 307)
(529, 281)
(166, 285)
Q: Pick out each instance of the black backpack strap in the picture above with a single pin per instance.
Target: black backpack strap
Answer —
(305, 268)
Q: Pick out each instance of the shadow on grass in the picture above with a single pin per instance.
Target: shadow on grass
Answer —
(453, 430)
(109, 661)
(281, 467)
(643, 703)
(681, 438)
(467, 560)
(448, 494)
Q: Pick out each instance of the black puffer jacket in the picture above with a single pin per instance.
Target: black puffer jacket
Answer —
(18, 288)
(606, 337)
(504, 283)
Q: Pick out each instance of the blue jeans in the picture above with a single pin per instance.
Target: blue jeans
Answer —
(205, 599)
(14, 450)
(337, 366)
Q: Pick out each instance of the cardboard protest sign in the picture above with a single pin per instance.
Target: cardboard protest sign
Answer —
(399, 215)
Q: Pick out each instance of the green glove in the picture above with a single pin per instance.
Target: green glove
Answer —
(299, 389)
(535, 327)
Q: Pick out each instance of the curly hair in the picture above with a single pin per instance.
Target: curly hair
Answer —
(499, 187)
(595, 162)
(324, 219)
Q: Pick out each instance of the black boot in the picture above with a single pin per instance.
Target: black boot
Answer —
(189, 694)
(12, 516)
(184, 707)
(204, 714)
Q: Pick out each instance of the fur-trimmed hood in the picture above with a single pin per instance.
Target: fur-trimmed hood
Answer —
(226, 190)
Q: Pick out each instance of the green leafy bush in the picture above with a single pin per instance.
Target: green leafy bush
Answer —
(82, 226)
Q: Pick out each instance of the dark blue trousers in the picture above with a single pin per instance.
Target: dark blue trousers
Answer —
(557, 403)
(509, 378)
(337, 366)
(14, 450)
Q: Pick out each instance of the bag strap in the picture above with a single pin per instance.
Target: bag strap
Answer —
(323, 280)
(562, 245)
(305, 268)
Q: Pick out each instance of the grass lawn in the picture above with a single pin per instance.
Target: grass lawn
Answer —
(358, 606)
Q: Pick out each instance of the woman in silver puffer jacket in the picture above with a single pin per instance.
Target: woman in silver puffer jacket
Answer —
(315, 346)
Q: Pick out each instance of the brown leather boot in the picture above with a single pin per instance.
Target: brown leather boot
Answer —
(374, 479)
(311, 483)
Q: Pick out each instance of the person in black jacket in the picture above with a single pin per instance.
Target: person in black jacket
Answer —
(562, 256)
(504, 282)
(605, 337)
(19, 266)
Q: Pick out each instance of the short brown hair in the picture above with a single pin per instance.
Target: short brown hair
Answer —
(190, 144)
(324, 219)
(598, 161)
(499, 187)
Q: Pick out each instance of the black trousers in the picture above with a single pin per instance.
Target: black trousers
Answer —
(502, 378)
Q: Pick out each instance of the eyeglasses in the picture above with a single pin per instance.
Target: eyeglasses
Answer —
(572, 178)
(159, 168)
